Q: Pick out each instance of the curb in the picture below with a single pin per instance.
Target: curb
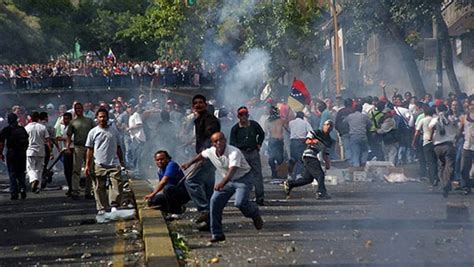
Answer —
(159, 249)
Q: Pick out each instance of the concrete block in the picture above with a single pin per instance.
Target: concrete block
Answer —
(361, 176)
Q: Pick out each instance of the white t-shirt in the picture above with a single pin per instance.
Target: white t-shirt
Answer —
(138, 133)
(449, 136)
(299, 128)
(232, 157)
(37, 135)
(423, 125)
(104, 141)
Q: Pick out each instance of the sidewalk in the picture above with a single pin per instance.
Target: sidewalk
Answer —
(50, 229)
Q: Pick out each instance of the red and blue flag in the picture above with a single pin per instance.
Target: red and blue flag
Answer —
(299, 96)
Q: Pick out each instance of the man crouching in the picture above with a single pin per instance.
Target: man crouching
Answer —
(235, 170)
(170, 194)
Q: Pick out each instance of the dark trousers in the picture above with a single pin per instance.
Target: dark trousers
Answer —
(375, 145)
(312, 170)
(431, 162)
(171, 198)
(466, 165)
(275, 154)
(68, 166)
(253, 158)
(420, 154)
(200, 185)
(446, 155)
(16, 165)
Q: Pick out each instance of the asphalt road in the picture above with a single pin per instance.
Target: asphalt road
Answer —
(50, 229)
(364, 224)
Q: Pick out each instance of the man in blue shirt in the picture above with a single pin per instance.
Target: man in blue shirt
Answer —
(170, 193)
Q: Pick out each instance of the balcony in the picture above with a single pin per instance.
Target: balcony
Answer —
(459, 16)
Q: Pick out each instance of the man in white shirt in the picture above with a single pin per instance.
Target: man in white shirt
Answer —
(137, 134)
(299, 129)
(103, 148)
(231, 164)
(444, 134)
(422, 127)
(38, 138)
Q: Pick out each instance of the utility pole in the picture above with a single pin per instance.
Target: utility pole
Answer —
(439, 61)
(336, 64)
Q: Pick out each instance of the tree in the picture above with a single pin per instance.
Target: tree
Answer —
(160, 28)
(289, 30)
(443, 35)
(394, 20)
(21, 39)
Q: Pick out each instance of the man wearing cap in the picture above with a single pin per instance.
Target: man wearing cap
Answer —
(17, 143)
(77, 135)
(248, 136)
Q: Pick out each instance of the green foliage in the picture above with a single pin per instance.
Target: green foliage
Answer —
(288, 30)
(19, 33)
(146, 29)
(159, 28)
(367, 17)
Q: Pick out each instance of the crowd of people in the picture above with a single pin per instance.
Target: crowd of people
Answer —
(204, 137)
(108, 73)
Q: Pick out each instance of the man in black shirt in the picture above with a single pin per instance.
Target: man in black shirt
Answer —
(248, 136)
(17, 144)
(200, 184)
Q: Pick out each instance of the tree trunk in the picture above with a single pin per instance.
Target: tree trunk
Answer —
(443, 34)
(406, 51)
(408, 58)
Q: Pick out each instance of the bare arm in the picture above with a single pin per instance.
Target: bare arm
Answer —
(196, 158)
(417, 133)
(89, 156)
(159, 187)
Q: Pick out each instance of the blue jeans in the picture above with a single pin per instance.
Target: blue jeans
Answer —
(346, 143)
(137, 154)
(127, 141)
(360, 150)
(297, 147)
(200, 185)
(219, 199)
(275, 154)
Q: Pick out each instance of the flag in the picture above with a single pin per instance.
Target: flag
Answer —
(299, 96)
(77, 51)
(110, 56)
(267, 90)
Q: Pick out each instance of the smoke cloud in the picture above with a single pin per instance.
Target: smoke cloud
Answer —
(246, 78)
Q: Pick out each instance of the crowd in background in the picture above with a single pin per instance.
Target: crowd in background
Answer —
(437, 134)
(108, 73)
